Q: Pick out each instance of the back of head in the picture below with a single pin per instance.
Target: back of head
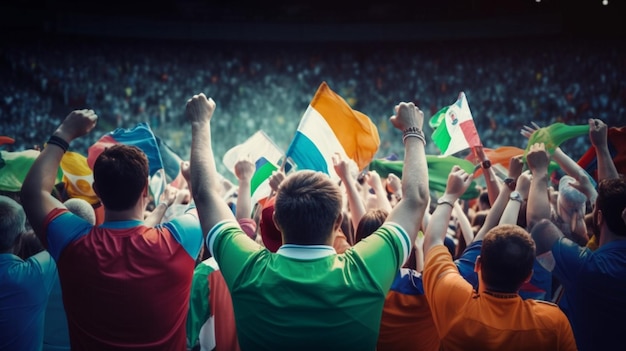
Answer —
(370, 221)
(12, 222)
(507, 256)
(81, 208)
(120, 174)
(611, 201)
(307, 206)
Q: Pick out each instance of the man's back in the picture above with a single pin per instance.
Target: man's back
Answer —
(307, 297)
(595, 290)
(124, 285)
(489, 321)
(24, 289)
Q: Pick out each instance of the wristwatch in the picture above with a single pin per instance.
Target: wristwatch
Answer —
(510, 182)
(516, 196)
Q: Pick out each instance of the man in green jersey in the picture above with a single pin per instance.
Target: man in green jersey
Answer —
(306, 296)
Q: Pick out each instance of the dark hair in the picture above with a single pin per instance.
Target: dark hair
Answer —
(29, 245)
(120, 175)
(370, 221)
(307, 206)
(507, 256)
(611, 201)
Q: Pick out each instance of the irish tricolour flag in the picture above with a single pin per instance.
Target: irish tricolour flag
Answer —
(329, 125)
(454, 128)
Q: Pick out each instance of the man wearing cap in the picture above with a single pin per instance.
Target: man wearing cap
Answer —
(306, 296)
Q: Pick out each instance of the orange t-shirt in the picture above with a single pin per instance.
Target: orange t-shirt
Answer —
(468, 321)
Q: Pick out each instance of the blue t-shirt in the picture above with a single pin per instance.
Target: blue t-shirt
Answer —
(24, 290)
(594, 284)
(539, 287)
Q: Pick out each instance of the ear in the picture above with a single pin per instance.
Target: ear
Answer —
(477, 264)
(338, 221)
(146, 188)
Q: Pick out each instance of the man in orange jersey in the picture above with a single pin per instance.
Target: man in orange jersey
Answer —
(495, 317)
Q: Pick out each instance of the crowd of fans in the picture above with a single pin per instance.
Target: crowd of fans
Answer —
(508, 83)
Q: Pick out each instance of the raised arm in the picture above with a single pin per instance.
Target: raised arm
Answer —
(36, 194)
(495, 212)
(512, 208)
(458, 182)
(204, 177)
(244, 170)
(491, 179)
(598, 131)
(373, 180)
(355, 202)
(538, 206)
(409, 212)
(167, 199)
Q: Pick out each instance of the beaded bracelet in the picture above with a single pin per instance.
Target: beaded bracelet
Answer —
(413, 132)
(55, 140)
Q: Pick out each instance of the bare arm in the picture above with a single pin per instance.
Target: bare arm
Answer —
(538, 201)
(495, 213)
(458, 182)
(167, 199)
(511, 211)
(374, 181)
(355, 203)
(37, 187)
(244, 170)
(204, 177)
(464, 223)
(491, 179)
(598, 131)
(409, 212)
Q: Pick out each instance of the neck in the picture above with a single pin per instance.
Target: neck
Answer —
(134, 213)
(608, 236)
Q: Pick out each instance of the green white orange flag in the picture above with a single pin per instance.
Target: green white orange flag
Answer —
(454, 128)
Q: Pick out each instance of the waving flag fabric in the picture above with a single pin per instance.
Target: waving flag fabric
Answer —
(438, 171)
(78, 177)
(555, 134)
(329, 126)
(260, 149)
(14, 166)
(454, 128)
(142, 137)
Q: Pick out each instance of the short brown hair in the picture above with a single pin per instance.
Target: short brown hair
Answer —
(120, 174)
(370, 221)
(611, 201)
(307, 206)
(507, 256)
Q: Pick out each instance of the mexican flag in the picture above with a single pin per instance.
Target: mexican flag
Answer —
(454, 128)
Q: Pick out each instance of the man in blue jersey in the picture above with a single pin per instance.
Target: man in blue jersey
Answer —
(24, 284)
(306, 296)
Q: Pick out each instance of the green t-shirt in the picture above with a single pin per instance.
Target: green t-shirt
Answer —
(308, 297)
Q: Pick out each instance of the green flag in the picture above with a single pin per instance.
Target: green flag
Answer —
(438, 171)
(554, 135)
(15, 165)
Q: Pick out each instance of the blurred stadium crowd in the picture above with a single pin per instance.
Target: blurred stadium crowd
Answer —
(508, 83)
